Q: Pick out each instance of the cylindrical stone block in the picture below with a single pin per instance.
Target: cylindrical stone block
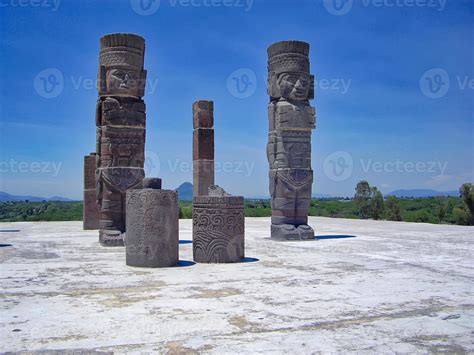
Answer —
(152, 183)
(90, 209)
(218, 229)
(152, 238)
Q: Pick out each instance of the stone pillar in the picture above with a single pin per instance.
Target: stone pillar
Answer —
(203, 147)
(291, 120)
(120, 120)
(152, 226)
(218, 227)
(89, 208)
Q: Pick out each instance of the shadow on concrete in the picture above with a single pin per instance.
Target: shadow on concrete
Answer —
(185, 242)
(9, 230)
(342, 236)
(5, 245)
(249, 260)
(185, 263)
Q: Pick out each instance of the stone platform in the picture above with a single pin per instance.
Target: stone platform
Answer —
(364, 286)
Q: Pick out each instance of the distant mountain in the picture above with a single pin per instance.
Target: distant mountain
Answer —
(422, 193)
(6, 197)
(185, 191)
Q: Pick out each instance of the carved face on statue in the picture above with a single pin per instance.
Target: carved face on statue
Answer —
(294, 86)
(122, 81)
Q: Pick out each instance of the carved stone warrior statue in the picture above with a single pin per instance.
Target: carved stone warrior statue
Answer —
(120, 121)
(291, 120)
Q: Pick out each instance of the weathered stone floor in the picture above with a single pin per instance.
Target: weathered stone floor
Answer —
(394, 287)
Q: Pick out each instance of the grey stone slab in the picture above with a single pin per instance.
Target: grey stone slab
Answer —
(363, 287)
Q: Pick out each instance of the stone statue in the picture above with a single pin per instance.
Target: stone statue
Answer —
(291, 120)
(120, 121)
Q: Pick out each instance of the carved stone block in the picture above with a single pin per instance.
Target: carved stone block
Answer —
(203, 144)
(203, 114)
(152, 227)
(203, 176)
(218, 228)
(203, 147)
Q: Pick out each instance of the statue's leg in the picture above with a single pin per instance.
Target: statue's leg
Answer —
(111, 217)
(283, 209)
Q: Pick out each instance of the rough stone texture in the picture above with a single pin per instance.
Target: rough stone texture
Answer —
(218, 227)
(152, 227)
(90, 209)
(395, 288)
(203, 114)
(152, 183)
(291, 119)
(203, 176)
(203, 147)
(120, 120)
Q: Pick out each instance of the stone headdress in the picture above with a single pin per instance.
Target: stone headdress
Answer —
(287, 57)
(121, 50)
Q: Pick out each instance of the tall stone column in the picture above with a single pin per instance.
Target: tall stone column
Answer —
(120, 120)
(203, 147)
(291, 120)
(89, 208)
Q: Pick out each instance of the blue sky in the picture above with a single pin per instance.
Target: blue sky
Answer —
(394, 94)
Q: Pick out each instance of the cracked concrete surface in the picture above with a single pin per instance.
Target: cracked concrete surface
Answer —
(393, 288)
